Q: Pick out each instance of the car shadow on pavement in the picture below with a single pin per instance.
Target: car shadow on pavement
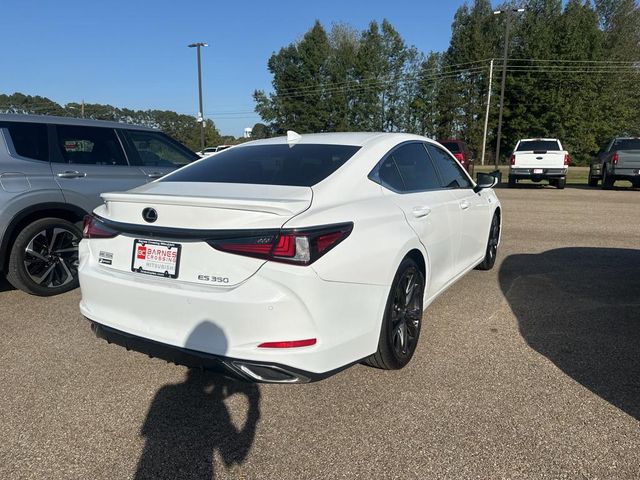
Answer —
(189, 421)
(580, 308)
(4, 285)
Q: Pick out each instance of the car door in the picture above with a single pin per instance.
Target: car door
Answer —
(88, 161)
(473, 209)
(155, 153)
(412, 183)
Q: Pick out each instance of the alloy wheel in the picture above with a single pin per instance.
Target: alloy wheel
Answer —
(51, 257)
(406, 313)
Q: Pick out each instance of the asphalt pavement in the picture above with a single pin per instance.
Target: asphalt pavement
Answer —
(531, 370)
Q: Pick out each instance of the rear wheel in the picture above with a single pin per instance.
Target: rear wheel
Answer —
(402, 319)
(607, 178)
(512, 181)
(560, 183)
(592, 181)
(492, 245)
(44, 257)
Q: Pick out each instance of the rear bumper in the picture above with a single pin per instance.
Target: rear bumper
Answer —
(622, 173)
(546, 173)
(258, 372)
(278, 303)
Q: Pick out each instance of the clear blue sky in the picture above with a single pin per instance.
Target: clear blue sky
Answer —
(134, 53)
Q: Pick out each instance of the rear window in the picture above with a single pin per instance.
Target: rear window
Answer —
(300, 166)
(537, 145)
(626, 144)
(29, 139)
(453, 147)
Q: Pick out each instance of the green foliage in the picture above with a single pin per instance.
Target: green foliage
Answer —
(573, 73)
(183, 128)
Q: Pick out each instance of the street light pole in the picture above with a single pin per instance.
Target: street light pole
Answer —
(508, 12)
(200, 111)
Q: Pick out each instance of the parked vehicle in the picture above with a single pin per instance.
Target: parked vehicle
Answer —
(52, 171)
(211, 150)
(618, 159)
(460, 151)
(538, 159)
(285, 260)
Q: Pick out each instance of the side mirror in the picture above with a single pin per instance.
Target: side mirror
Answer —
(485, 180)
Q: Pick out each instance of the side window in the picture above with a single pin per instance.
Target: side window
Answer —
(155, 149)
(450, 171)
(389, 175)
(89, 145)
(29, 139)
(416, 168)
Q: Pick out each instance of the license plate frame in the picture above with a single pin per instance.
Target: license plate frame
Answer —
(141, 264)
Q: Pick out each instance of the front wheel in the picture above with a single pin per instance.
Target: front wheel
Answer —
(402, 319)
(44, 257)
(492, 245)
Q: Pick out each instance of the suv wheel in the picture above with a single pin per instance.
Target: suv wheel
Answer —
(44, 257)
(402, 319)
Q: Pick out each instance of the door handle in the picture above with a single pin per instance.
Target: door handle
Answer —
(155, 175)
(420, 212)
(71, 174)
(464, 204)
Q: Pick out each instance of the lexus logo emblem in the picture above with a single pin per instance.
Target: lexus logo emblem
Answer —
(149, 215)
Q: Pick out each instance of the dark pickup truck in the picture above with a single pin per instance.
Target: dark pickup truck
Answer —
(617, 160)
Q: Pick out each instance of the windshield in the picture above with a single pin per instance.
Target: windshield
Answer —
(536, 145)
(626, 144)
(453, 147)
(300, 165)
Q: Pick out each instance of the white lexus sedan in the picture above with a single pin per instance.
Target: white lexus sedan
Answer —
(288, 259)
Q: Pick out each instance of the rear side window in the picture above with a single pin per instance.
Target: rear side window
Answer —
(155, 149)
(301, 165)
(29, 139)
(537, 145)
(416, 168)
(451, 172)
(89, 145)
(626, 144)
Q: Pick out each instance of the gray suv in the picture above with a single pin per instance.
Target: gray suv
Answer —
(52, 172)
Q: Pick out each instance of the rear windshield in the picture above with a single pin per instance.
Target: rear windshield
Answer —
(626, 144)
(535, 145)
(299, 165)
(453, 147)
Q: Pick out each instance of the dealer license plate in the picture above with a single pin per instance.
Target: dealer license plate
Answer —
(537, 170)
(153, 257)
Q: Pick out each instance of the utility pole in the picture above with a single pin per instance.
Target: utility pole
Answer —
(200, 111)
(486, 115)
(82, 108)
(508, 13)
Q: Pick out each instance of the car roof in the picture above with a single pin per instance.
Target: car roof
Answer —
(359, 139)
(85, 122)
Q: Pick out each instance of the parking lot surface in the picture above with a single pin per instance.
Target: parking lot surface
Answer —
(531, 370)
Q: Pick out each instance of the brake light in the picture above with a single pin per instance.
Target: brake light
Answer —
(566, 159)
(92, 227)
(614, 158)
(512, 160)
(297, 246)
(459, 157)
(289, 344)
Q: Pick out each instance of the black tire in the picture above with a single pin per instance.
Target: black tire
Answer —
(607, 179)
(44, 257)
(402, 319)
(560, 183)
(512, 181)
(592, 181)
(491, 251)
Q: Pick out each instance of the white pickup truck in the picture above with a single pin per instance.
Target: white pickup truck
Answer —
(538, 159)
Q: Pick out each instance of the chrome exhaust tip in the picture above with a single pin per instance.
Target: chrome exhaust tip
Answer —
(266, 373)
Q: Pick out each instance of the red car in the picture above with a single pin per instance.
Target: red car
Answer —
(459, 150)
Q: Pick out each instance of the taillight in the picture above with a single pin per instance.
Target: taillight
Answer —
(566, 159)
(299, 246)
(93, 228)
(614, 158)
(512, 160)
(459, 157)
